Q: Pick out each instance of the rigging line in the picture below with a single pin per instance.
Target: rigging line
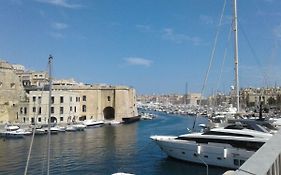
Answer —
(49, 114)
(264, 74)
(224, 58)
(31, 143)
(212, 54)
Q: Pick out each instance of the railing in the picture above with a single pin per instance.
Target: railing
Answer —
(266, 161)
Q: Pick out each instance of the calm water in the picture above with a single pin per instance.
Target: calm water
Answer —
(103, 151)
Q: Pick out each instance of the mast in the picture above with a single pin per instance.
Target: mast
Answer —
(235, 30)
(49, 114)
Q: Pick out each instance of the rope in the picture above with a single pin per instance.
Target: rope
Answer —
(224, 58)
(31, 143)
(212, 54)
(265, 76)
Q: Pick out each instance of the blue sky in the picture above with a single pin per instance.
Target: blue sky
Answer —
(156, 46)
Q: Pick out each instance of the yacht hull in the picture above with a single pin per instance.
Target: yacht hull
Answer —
(222, 155)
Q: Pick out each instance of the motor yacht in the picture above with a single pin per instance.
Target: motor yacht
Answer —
(222, 147)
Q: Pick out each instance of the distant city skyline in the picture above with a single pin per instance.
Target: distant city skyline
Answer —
(154, 46)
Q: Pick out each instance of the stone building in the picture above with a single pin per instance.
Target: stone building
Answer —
(104, 102)
(65, 107)
(73, 103)
(24, 97)
(193, 98)
(11, 93)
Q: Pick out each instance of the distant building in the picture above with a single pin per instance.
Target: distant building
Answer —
(11, 93)
(194, 98)
(65, 107)
(30, 78)
(24, 98)
(78, 103)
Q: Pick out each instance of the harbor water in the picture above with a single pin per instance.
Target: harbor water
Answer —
(104, 150)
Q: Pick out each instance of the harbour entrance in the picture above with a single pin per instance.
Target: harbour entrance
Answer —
(109, 113)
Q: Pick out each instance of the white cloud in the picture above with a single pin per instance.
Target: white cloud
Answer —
(206, 19)
(57, 35)
(61, 3)
(169, 34)
(277, 31)
(143, 28)
(59, 25)
(138, 61)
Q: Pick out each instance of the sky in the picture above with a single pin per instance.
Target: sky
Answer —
(155, 46)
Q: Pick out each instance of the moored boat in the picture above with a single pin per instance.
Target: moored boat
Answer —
(127, 120)
(228, 148)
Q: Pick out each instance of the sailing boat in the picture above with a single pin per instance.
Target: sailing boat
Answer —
(226, 147)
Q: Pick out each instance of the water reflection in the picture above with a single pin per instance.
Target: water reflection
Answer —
(104, 150)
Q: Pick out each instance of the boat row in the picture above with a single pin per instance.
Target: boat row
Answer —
(14, 131)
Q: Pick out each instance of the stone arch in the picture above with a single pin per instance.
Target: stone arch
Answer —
(53, 119)
(109, 113)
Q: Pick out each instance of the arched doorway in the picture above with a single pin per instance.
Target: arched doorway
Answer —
(109, 113)
(53, 119)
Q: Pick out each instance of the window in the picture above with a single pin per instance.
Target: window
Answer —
(84, 108)
(70, 109)
(52, 100)
(33, 98)
(108, 98)
(84, 98)
(52, 110)
(25, 110)
(39, 110)
(74, 108)
(77, 99)
(39, 119)
(34, 109)
(61, 99)
(236, 162)
(61, 110)
(21, 110)
(39, 99)
(13, 85)
(61, 119)
(70, 99)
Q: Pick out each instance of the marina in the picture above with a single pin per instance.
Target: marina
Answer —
(140, 120)
(123, 148)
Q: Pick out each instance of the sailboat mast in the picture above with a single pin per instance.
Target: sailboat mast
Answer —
(49, 114)
(235, 30)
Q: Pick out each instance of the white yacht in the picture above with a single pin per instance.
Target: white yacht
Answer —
(222, 147)
(93, 123)
(12, 131)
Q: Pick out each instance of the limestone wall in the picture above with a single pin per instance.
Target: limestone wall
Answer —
(11, 92)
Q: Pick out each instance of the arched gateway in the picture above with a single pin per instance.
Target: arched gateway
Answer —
(109, 113)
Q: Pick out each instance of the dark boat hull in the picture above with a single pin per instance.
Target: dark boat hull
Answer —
(127, 120)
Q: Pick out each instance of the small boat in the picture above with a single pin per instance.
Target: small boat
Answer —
(40, 131)
(11, 131)
(128, 120)
(114, 122)
(75, 127)
(54, 130)
(70, 128)
(92, 123)
(24, 131)
(79, 127)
